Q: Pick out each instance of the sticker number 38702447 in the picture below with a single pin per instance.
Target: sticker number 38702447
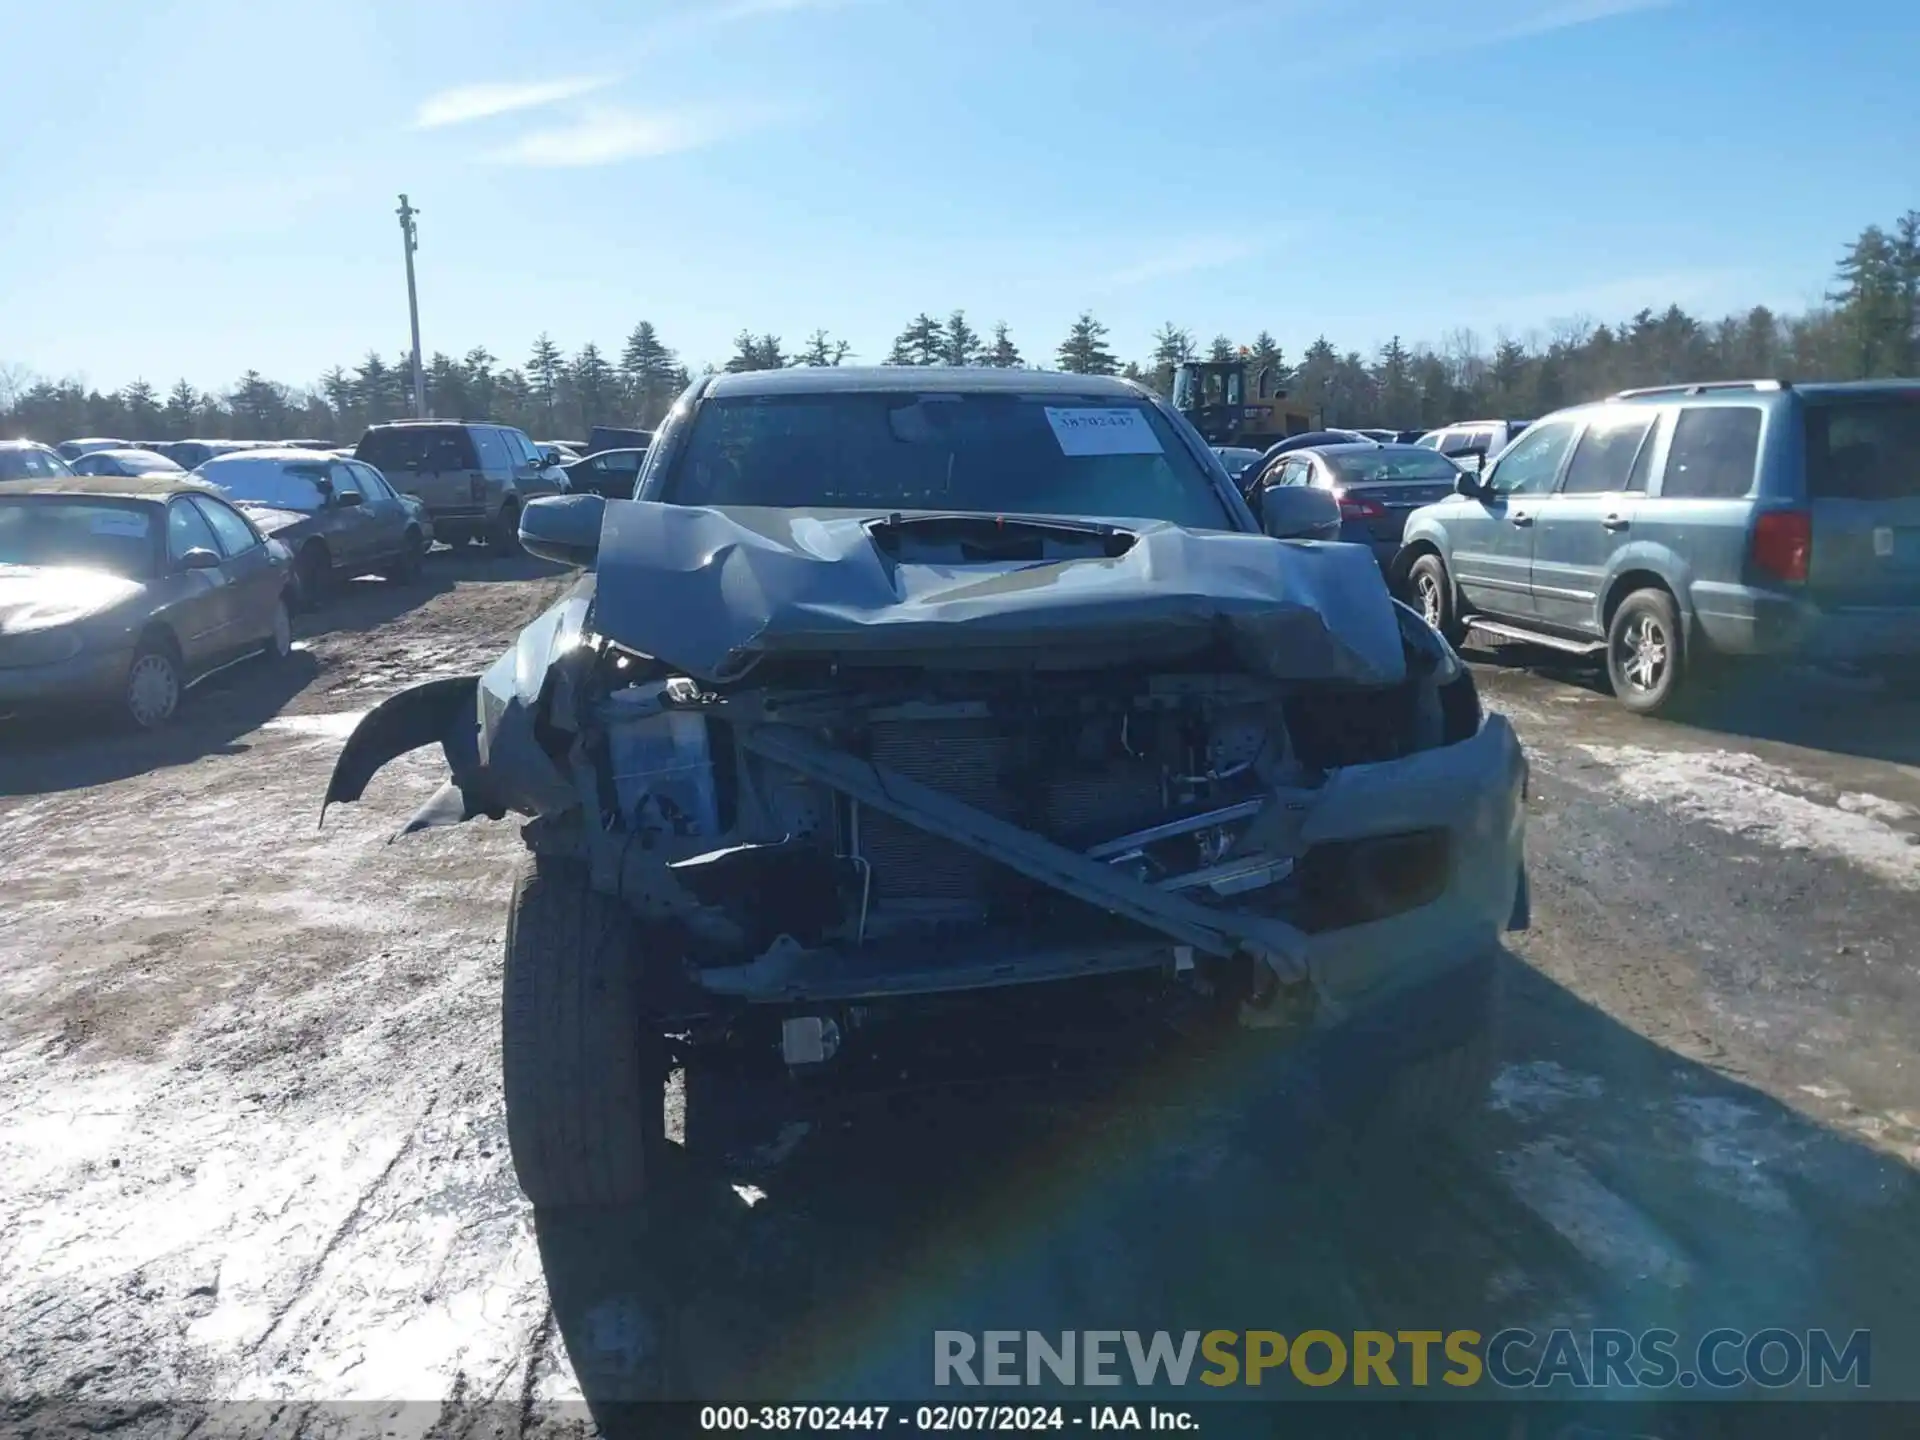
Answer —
(1105, 430)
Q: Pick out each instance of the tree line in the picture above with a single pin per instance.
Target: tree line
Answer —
(1869, 327)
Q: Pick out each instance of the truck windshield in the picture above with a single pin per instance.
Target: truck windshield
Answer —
(992, 454)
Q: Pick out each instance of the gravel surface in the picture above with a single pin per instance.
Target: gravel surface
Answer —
(253, 1148)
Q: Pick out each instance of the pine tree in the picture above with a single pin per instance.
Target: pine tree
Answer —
(1084, 351)
(142, 404)
(544, 368)
(822, 350)
(649, 370)
(374, 388)
(924, 342)
(477, 380)
(259, 408)
(1001, 353)
(183, 407)
(1222, 348)
(1171, 345)
(1266, 358)
(1393, 380)
(595, 391)
(961, 345)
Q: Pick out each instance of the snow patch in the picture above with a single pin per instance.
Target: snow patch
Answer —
(1602, 1226)
(1744, 795)
(1732, 1141)
(1539, 1086)
(336, 726)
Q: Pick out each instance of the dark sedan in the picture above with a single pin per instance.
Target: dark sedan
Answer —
(1377, 486)
(124, 593)
(340, 518)
(610, 473)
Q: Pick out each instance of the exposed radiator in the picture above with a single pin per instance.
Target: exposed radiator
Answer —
(963, 758)
(975, 762)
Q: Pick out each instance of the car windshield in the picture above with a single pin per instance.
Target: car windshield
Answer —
(285, 485)
(992, 454)
(26, 463)
(1388, 466)
(144, 462)
(90, 534)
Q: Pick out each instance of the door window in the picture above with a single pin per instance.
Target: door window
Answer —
(493, 450)
(345, 482)
(235, 535)
(529, 454)
(1713, 452)
(187, 529)
(372, 483)
(1533, 461)
(1293, 472)
(1604, 459)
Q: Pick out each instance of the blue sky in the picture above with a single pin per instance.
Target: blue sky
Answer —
(198, 186)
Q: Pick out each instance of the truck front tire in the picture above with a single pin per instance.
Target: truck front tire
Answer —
(583, 1075)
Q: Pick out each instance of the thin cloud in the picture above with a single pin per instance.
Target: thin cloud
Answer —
(607, 137)
(1182, 258)
(465, 103)
(1398, 29)
(1612, 300)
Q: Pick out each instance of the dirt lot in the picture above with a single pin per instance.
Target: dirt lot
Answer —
(253, 1145)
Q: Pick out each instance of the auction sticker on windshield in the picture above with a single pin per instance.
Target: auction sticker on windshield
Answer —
(117, 522)
(1102, 431)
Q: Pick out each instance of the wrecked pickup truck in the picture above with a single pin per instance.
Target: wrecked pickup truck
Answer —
(978, 694)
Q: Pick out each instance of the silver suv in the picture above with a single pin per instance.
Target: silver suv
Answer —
(474, 478)
(1473, 444)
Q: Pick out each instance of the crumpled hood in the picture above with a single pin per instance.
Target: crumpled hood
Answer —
(271, 519)
(35, 596)
(711, 590)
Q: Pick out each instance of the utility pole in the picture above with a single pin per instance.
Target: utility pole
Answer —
(406, 213)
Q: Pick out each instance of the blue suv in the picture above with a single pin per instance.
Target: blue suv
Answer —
(1672, 527)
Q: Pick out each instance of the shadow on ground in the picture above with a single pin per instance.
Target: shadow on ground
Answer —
(71, 751)
(371, 602)
(1799, 705)
(1177, 1202)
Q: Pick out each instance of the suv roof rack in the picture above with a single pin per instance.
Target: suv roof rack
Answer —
(1702, 387)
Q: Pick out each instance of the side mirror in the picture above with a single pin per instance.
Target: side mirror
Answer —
(200, 558)
(563, 528)
(1468, 485)
(1299, 512)
(349, 497)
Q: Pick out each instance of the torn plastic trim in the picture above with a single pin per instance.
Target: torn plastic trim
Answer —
(1217, 932)
(437, 710)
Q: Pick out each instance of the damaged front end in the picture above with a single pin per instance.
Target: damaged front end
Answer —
(830, 834)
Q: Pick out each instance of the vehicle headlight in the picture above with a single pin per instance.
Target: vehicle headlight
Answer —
(41, 615)
(48, 645)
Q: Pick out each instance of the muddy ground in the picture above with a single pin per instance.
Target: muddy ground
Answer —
(253, 1148)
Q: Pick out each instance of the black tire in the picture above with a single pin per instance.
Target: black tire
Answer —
(406, 569)
(155, 685)
(1647, 659)
(504, 540)
(584, 1078)
(1430, 591)
(312, 575)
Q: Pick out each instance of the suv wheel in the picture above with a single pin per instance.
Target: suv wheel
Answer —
(506, 531)
(1647, 653)
(1430, 591)
(584, 1077)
